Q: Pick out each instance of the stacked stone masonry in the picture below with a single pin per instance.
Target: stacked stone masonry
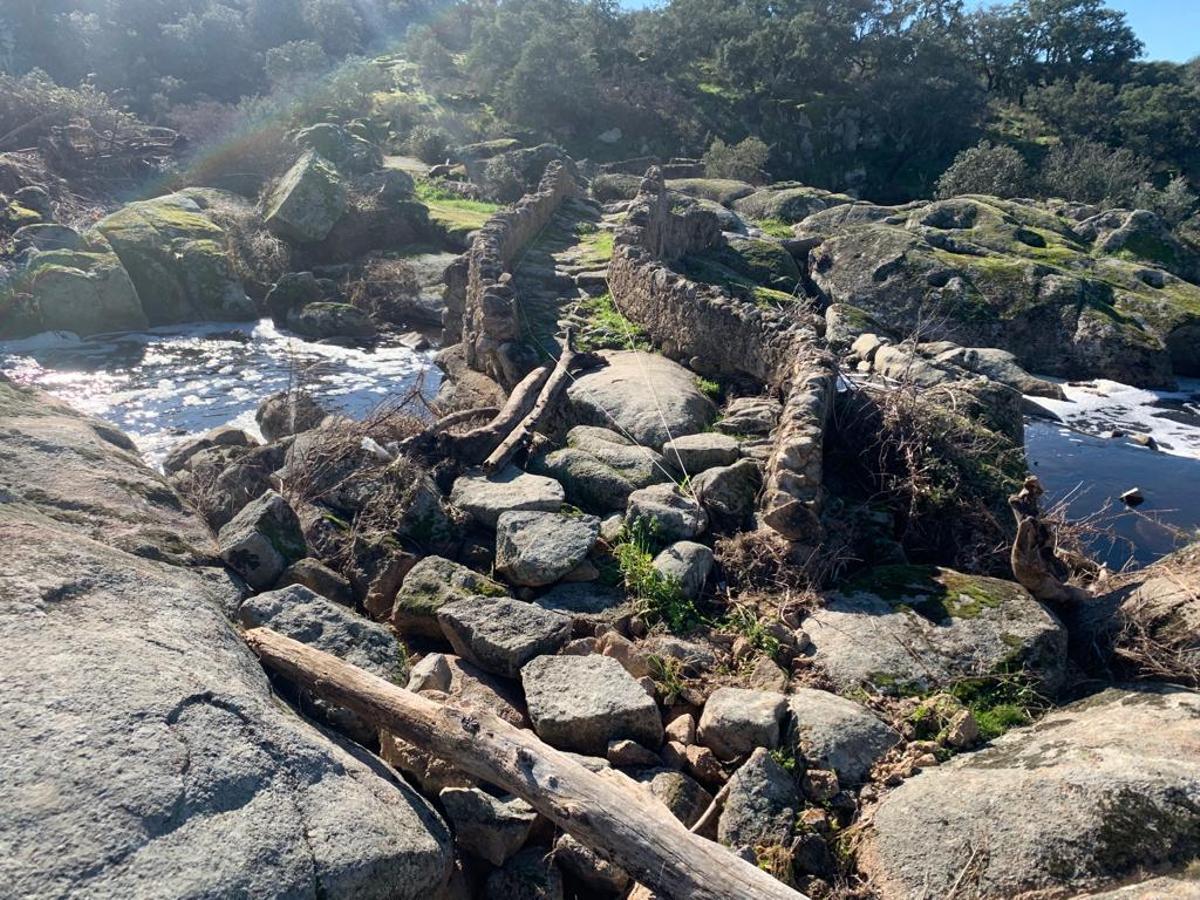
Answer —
(491, 329)
(719, 334)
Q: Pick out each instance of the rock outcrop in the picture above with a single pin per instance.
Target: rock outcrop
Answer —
(1093, 793)
(899, 629)
(985, 272)
(176, 256)
(139, 732)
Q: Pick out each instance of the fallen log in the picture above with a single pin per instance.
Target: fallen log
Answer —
(474, 446)
(549, 395)
(628, 827)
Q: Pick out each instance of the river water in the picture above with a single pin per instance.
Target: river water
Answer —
(167, 383)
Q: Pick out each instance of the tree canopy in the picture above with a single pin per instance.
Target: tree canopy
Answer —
(875, 96)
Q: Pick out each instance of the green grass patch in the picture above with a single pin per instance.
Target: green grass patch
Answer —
(709, 388)
(455, 215)
(607, 329)
(597, 245)
(658, 597)
(745, 621)
(774, 227)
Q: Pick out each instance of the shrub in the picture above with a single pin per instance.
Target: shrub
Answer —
(502, 180)
(998, 170)
(1174, 203)
(743, 161)
(295, 60)
(1089, 172)
(431, 145)
(258, 257)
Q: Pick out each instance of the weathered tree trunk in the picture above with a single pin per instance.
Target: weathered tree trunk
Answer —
(626, 826)
(1035, 562)
(549, 395)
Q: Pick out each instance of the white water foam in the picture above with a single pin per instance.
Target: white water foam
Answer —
(167, 383)
(1100, 407)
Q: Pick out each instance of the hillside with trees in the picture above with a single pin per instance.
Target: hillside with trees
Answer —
(877, 97)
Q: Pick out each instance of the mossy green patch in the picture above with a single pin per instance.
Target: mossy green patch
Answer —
(606, 329)
(774, 227)
(15, 216)
(454, 215)
(936, 594)
(597, 246)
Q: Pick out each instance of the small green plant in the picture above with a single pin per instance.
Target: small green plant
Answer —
(708, 388)
(786, 757)
(1006, 699)
(745, 621)
(667, 674)
(659, 597)
(606, 328)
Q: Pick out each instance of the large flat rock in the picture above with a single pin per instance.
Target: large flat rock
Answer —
(1092, 794)
(899, 629)
(485, 497)
(143, 752)
(646, 397)
(581, 703)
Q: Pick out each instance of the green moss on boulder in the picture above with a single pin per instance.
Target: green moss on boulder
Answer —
(176, 257)
(84, 292)
(308, 200)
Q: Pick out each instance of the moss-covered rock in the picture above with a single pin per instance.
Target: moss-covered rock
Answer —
(720, 190)
(615, 186)
(431, 584)
(13, 216)
(1092, 794)
(1001, 273)
(787, 204)
(912, 629)
(765, 262)
(80, 291)
(177, 259)
(348, 152)
(308, 200)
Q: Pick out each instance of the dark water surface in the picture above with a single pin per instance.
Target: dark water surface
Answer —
(1092, 473)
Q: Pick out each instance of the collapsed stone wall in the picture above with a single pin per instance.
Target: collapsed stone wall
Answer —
(491, 332)
(719, 334)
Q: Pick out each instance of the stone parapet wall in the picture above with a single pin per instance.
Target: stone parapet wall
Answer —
(791, 497)
(715, 333)
(490, 331)
(696, 323)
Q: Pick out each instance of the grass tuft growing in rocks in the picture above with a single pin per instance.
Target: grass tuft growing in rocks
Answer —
(606, 328)
(659, 598)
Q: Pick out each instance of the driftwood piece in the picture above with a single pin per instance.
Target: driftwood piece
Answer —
(628, 827)
(471, 447)
(475, 445)
(551, 391)
(1035, 561)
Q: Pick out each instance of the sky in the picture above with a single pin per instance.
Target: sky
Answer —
(1170, 29)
